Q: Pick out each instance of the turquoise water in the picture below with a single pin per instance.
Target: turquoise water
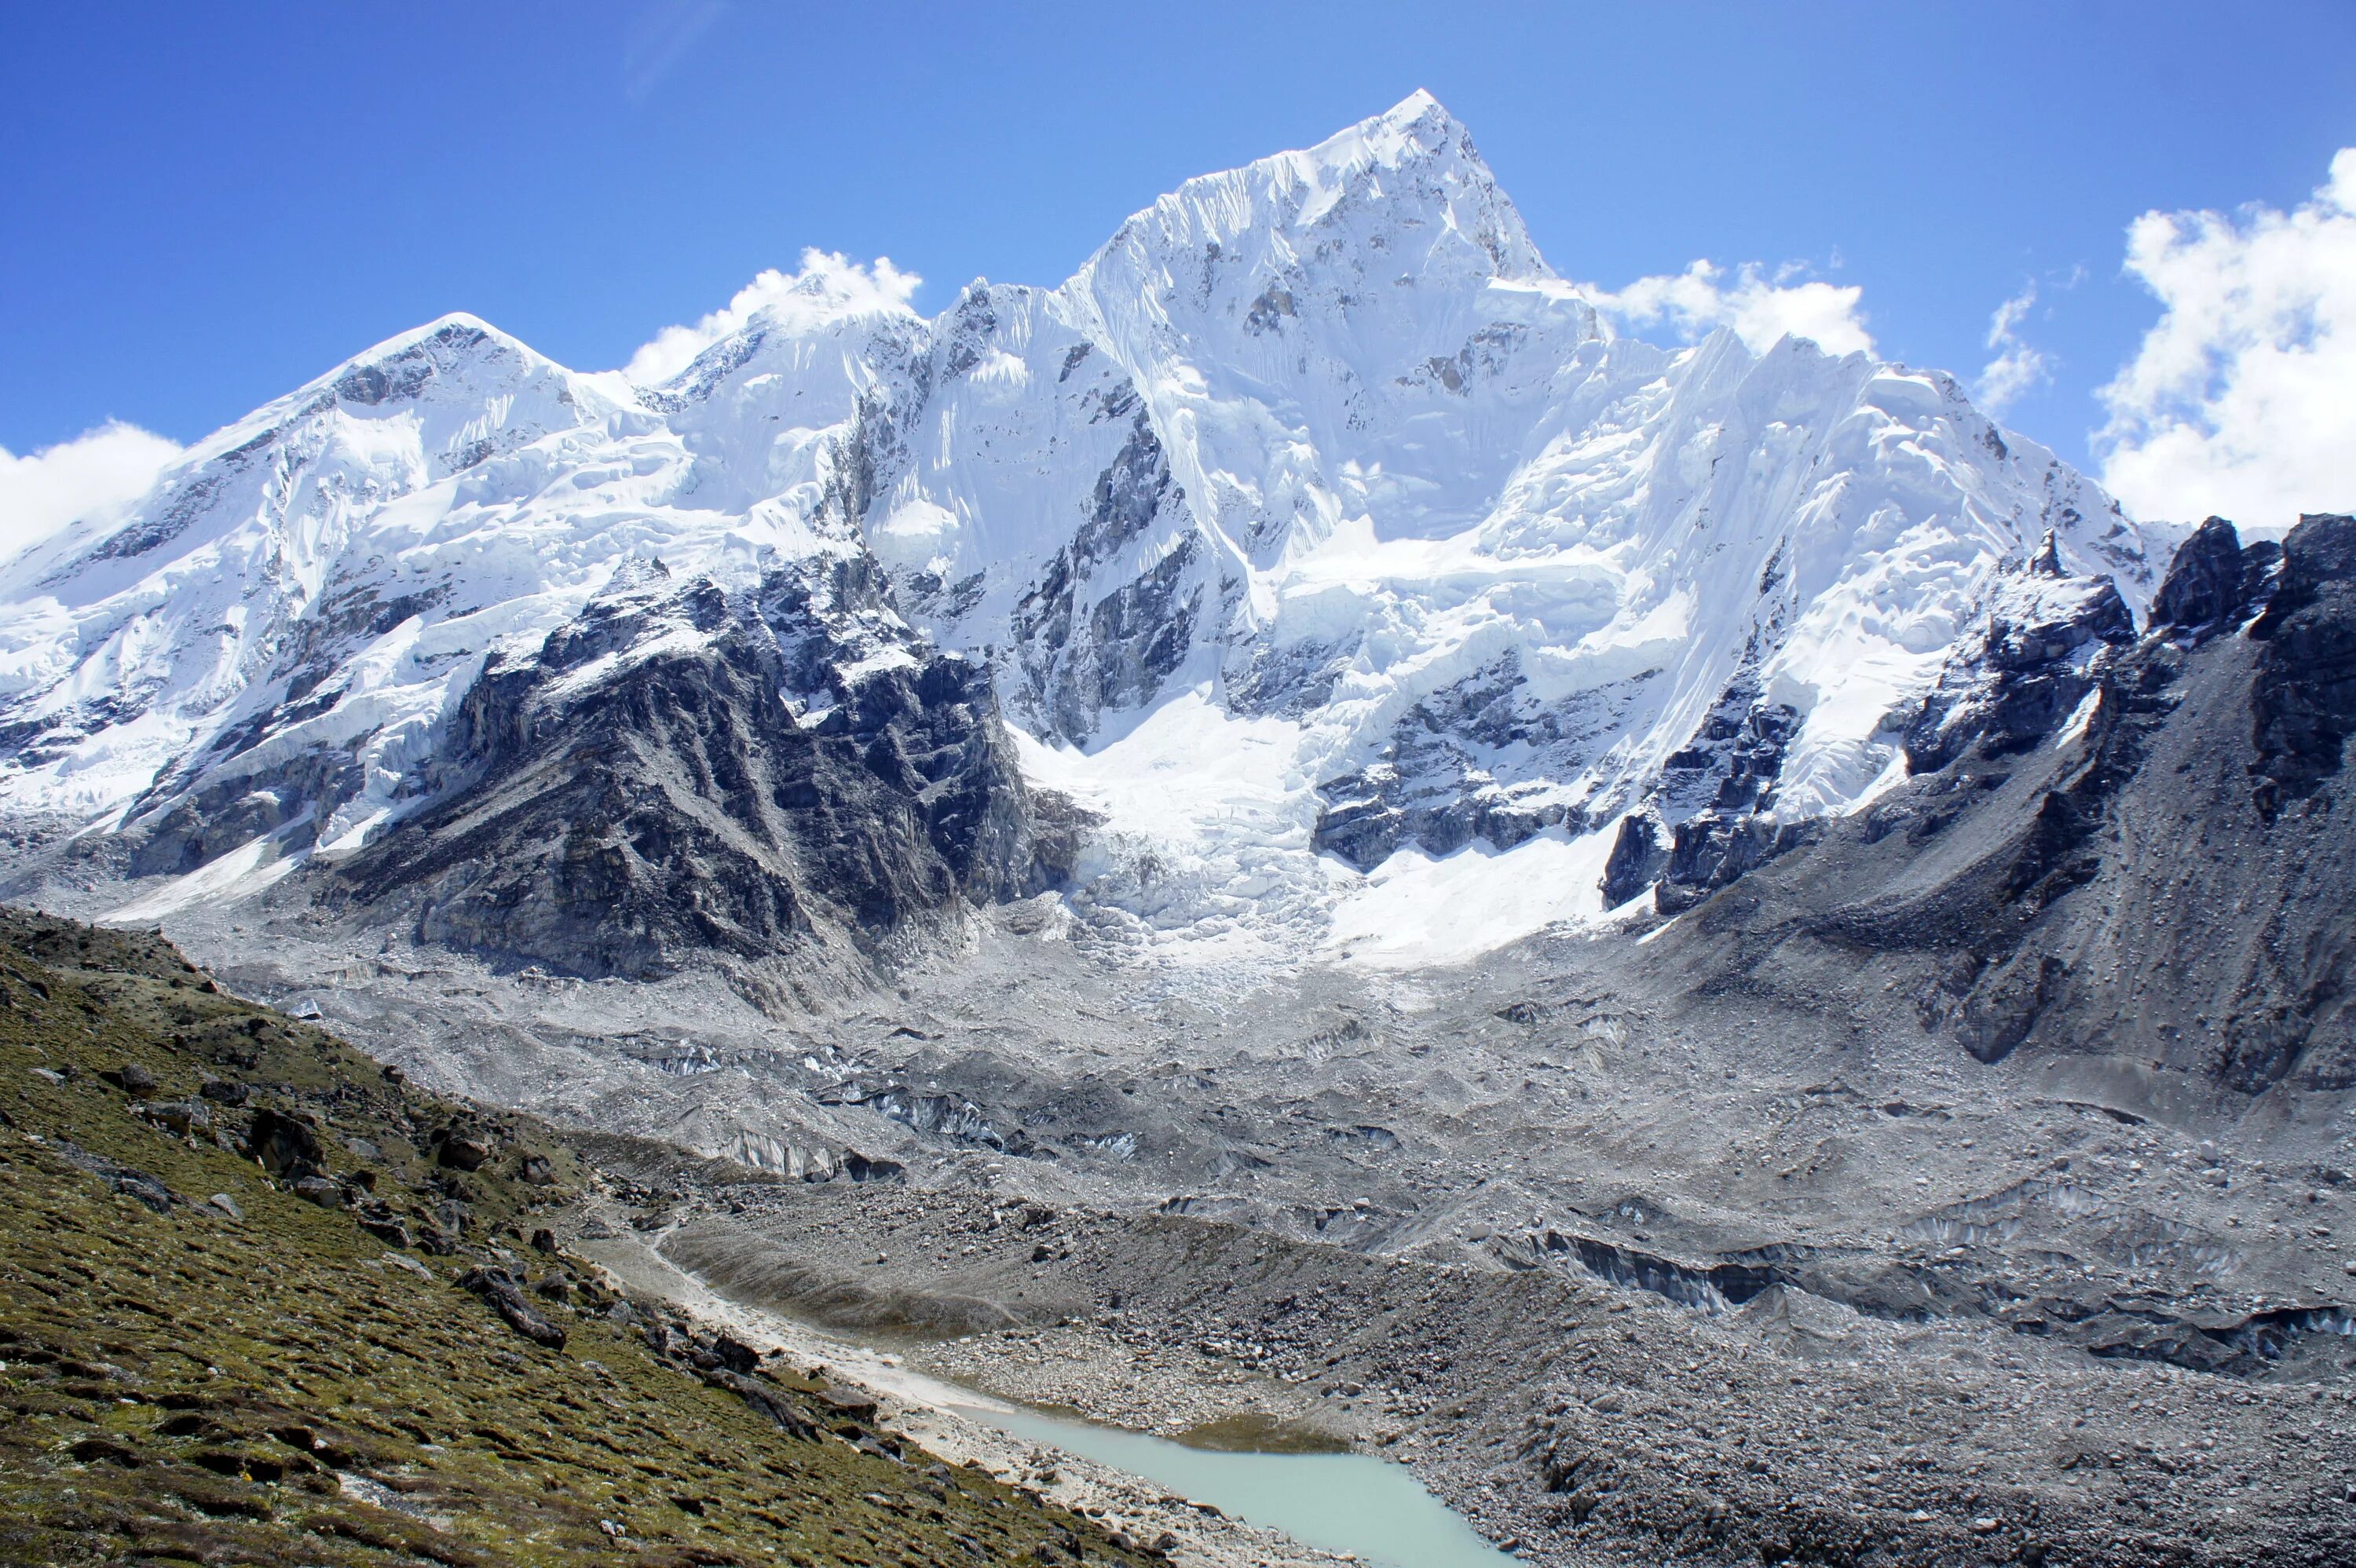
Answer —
(1342, 1502)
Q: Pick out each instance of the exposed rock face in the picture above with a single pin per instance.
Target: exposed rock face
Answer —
(2162, 860)
(1080, 659)
(1474, 760)
(1637, 859)
(2305, 698)
(1730, 766)
(1715, 813)
(2214, 583)
(1712, 849)
(641, 790)
(2024, 672)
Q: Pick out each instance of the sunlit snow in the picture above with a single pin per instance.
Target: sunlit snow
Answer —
(1329, 419)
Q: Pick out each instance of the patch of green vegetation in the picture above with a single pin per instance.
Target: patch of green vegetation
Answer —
(354, 1354)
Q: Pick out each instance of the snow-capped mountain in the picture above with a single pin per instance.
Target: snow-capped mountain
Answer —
(1313, 531)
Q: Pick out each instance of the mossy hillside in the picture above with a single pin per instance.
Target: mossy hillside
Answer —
(280, 1386)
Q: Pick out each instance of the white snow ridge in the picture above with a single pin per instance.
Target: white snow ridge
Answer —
(1319, 536)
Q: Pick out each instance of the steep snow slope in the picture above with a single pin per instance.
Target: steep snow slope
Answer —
(1313, 518)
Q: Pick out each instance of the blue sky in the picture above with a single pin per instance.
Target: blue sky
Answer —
(201, 207)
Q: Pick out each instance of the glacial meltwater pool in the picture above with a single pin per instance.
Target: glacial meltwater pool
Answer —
(1341, 1502)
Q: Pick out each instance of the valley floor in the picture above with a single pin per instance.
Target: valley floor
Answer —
(1582, 1422)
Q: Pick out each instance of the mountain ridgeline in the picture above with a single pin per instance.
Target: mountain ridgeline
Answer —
(578, 676)
(1271, 839)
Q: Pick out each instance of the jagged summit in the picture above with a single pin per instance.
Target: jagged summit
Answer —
(1369, 187)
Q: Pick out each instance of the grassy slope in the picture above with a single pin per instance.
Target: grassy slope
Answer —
(277, 1389)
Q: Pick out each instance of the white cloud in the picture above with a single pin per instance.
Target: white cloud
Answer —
(1761, 308)
(2018, 367)
(2242, 400)
(94, 477)
(829, 284)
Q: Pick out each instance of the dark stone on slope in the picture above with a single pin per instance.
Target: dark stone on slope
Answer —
(391, 1232)
(224, 1092)
(762, 1397)
(122, 1179)
(131, 1078)
(734, 1354)
(284, 1145)
(499, 1288)
(459, 1153)
(181, 1118)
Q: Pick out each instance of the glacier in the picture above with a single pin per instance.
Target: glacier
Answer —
(1315, 536)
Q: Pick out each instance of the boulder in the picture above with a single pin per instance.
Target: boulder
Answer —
(182, 1118)
(131, 1079)
(121, 1178)
(391, 1232)
(499, 1288)
(285, 1145)
(224, 1092)
(458, 1153)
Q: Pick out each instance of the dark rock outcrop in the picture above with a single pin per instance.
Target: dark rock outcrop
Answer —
(2015, 682)
(505, 1296)
(1442, 780)
(122, 1179)
(1085, 649)
(2212, 581)
(1637, 859)
(1712, 849)
(2304, 701)
(284, 1145)
(641, 793)
(2109, 841)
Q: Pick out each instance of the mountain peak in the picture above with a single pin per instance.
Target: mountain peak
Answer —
(1402, 185)
(1417, 125)
(453, 331)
